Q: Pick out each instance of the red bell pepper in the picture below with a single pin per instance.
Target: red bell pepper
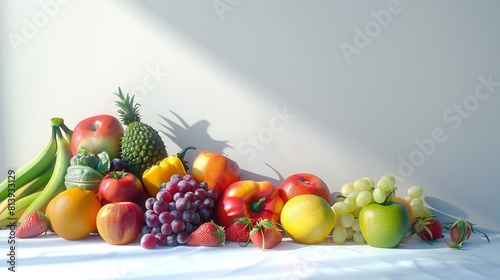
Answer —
(250, 199)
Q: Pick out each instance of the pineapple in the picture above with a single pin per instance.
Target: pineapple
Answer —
(141, 145)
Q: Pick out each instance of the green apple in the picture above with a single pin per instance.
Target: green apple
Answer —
(384, 225)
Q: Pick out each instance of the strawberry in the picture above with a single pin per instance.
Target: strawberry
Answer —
(34, 224)
(460, 232)
(428, 228)
(239, 230)
(265, 234)
(208, 234)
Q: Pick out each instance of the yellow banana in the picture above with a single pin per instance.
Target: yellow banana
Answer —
(56, 182)
(30, 187)
(33, 168)
(10, 215)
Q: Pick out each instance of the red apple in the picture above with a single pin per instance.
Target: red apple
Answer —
(97, 134)
(120, 222)
(304, 183)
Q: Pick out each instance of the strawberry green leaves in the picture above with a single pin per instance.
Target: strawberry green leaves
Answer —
(460, 231)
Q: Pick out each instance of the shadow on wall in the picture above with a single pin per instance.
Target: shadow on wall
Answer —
(184, 134)
(446, 211)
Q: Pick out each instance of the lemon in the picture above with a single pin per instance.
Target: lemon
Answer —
(307, 218)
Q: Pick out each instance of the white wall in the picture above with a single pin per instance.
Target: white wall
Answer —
(280, 73)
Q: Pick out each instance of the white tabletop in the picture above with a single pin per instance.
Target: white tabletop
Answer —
(92, 258)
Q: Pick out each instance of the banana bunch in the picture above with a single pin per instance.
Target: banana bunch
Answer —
(32, 186)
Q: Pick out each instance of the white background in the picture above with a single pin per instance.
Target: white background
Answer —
(219, 71)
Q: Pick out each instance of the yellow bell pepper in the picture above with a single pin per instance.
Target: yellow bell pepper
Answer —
(153, 177)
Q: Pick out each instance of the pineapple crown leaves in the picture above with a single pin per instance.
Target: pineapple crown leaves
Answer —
(128, 110)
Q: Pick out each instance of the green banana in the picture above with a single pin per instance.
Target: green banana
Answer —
(34, 167)
(67, 131)
(8, 216)
(30, 187)
(56, 182)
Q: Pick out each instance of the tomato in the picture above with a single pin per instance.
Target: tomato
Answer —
(119, 186)
(429, 228)
(384, 225)
(72, 213)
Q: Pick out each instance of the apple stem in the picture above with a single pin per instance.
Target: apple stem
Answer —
(389, 195)
(256, 206)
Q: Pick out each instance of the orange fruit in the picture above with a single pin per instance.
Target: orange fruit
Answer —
(217, 170)
(73, 212)
(307, 218)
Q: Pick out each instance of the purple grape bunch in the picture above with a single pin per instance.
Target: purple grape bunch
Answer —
(180, 207)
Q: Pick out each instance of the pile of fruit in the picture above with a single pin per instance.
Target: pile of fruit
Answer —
(113, 176)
